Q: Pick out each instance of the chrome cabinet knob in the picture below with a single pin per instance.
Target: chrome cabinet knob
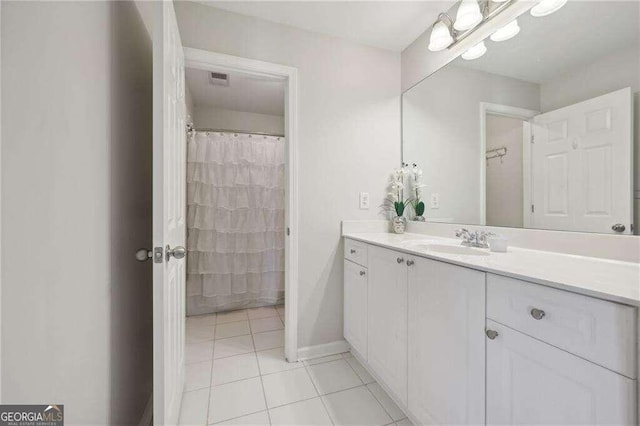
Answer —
(491, 334)
(400, 260)
(142, 255)
(178, 252)
(537, 313)
(618, 227)
(362, 273)
(410, 262)
(353, 251)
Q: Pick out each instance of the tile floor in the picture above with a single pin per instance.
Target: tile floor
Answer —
(237, 375)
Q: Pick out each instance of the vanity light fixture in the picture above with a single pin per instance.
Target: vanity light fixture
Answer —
(475, 52)
(547, 7)
(468, 15)
(508, 31)
(446, 33)
(441, 34)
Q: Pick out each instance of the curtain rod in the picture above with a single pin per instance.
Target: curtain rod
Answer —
(190, 128)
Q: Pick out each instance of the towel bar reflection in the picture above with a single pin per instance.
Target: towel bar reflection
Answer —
(497, 153)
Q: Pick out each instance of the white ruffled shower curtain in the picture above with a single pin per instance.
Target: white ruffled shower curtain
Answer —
(235, 221)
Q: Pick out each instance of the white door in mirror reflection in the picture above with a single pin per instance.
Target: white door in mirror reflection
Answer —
(581, 165)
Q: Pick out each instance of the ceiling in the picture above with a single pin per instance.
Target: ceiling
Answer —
(391, 25)
(550, 46)
(244, 93)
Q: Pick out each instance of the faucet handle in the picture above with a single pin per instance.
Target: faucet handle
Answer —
(462, 232)
(483, 238)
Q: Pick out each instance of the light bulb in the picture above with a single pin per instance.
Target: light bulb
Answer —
(547, 7)
(475, 52)
(508, 31)
(440, 37)
(468, 15)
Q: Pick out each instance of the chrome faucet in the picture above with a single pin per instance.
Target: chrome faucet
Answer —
(474, 238)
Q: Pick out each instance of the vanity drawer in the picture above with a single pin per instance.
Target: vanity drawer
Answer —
(600, 331)
(355, 251)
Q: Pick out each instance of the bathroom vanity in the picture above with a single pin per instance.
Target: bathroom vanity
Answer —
(463, 336)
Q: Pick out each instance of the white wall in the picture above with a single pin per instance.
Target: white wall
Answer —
(441, 133)
(349, 136)
(504, 176)
(218, 118)
(76, 187)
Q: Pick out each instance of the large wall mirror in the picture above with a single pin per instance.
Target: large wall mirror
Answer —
(540, 130)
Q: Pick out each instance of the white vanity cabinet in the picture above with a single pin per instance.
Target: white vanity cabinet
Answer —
(458, 345)
(555, 357)
(532, 382)
(355, 296)
(446, 343)
(387, 319)
(355, 302)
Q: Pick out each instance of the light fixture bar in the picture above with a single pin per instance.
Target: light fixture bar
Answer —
(490, 9)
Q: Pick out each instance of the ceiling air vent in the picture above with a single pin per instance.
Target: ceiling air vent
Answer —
(218, 79)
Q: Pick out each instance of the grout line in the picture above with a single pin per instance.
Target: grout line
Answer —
(366, 385)
(264, 394)
(234, 418)
(210, 378)
(381, 404)
(356, 373)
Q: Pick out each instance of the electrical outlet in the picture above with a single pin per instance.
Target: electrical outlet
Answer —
(435, 201)
(364, 201)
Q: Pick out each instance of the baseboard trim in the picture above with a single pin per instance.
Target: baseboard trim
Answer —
(147, 414)
(317, 351)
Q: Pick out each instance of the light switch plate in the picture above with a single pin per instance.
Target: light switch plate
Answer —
(435, 201)
(364, 201)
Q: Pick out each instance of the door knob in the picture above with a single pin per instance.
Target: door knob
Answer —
(353, 251)
(400, 260)
(362, 273)
(178, 252)
(618, 227)
(142, 255)
(410, 262)
(491, 334)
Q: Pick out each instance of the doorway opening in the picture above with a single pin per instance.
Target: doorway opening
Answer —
(241, 203)
(505, 138)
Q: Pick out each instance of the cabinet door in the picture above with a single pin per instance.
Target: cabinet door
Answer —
(532, 382)
(355, 307)
(387, 336)
(446, 343)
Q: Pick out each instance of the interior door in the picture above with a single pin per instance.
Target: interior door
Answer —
(169, 210)
(581, 166)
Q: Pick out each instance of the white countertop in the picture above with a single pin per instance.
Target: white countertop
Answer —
(605, 279)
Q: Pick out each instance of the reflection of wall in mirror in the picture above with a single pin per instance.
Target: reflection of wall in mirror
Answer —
(441, 132)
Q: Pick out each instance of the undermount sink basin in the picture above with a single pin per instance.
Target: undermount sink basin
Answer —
(444, 248)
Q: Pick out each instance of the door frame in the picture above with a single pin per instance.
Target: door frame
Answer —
(213, 61)
(512, 112)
